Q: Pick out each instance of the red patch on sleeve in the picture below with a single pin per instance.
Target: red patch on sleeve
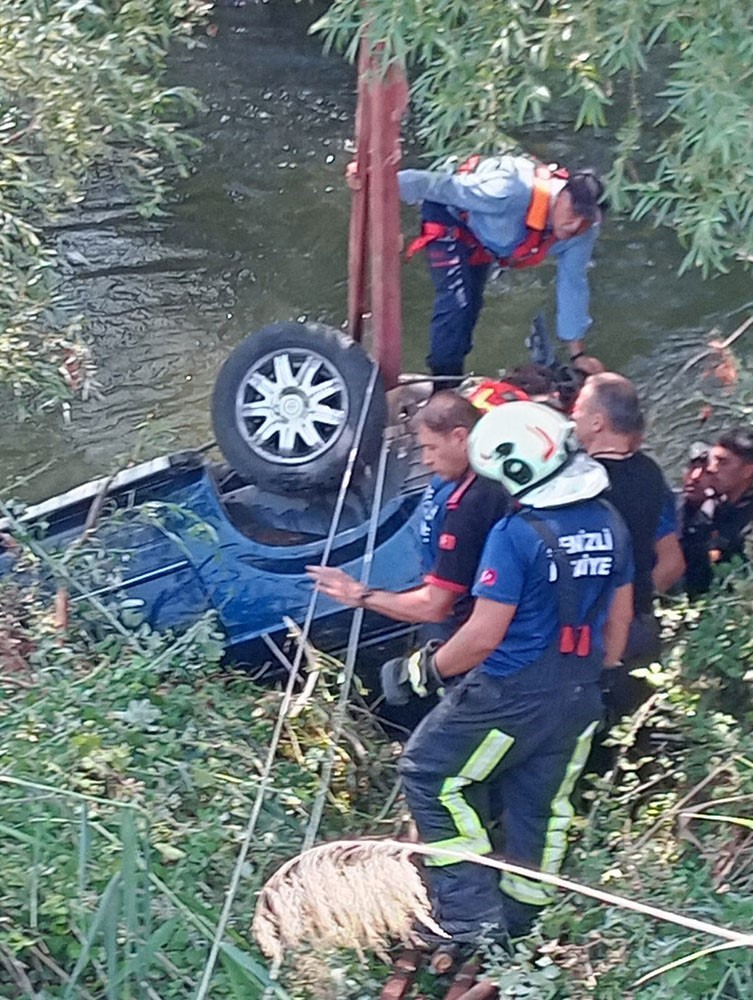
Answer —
(447, 542)
(488, 578)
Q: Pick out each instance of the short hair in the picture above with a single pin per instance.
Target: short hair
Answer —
(536, 380)
(617, 398)
(587, 194)
(564, 382)
(738, 440)
(446, 410)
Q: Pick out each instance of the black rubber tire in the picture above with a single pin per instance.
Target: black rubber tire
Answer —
(299, 348)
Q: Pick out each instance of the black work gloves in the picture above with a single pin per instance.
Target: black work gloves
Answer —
(414, 675)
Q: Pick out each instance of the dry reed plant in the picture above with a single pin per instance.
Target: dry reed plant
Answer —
(343, 895)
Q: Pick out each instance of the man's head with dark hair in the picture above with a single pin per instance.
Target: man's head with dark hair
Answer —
(556, 386)
(443, 426)
(446, 410)
(577, 206)
(586, 193)
(536, 380)
(738, 440)
(608, 415)
(730, 463)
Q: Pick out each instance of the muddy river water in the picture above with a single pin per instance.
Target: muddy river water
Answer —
(257, 233)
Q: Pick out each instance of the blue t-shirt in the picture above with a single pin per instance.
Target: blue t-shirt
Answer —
(668, 517)
(515, 569)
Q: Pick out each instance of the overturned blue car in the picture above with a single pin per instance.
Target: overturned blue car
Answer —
(312, 474)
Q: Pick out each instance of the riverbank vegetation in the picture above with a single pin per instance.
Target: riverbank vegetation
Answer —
(129, 764)
(82, 94)
(669, 79)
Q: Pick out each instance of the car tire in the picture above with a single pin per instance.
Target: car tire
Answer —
(287, 402)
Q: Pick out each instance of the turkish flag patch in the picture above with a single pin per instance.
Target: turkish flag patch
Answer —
(447, 542)
(488, 578)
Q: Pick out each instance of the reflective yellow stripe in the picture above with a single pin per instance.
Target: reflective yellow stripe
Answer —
(471, 834)
(555, 840)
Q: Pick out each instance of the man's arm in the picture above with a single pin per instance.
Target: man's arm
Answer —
(670, 562)
(476, 639)
(480, 191)
(618, 624)
(573, 294)
(427, 603)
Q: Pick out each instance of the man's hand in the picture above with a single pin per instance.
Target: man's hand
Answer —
(414, 675)
(334, 583)
(588, 364)
(352, 176)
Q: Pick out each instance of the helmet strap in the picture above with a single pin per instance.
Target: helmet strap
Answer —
(534, 486)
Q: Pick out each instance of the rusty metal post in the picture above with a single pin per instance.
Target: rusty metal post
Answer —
(388, 100)
(375, 222)
(358, 180)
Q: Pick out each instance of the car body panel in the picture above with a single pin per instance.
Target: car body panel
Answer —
(166, 548)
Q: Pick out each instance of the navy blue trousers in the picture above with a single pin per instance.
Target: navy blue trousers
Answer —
(458, 295)
(491, 769)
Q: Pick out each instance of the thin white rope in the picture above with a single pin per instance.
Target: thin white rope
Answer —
(338, 719)
(232, 890)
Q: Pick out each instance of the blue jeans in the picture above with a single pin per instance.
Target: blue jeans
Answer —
(458, 294)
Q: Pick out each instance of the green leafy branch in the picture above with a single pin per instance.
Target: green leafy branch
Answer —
(671, 79)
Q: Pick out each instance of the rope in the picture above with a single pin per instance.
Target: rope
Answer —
(350, 658)
(287, 697)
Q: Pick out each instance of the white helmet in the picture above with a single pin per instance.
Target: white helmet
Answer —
(529, 447)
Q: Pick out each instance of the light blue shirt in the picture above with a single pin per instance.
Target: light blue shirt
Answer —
(496, 196)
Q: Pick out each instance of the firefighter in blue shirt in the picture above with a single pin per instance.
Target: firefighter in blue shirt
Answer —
(510, 211)
(503, 749)
(459, 508)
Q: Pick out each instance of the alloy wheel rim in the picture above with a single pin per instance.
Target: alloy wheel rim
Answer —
(291, 406)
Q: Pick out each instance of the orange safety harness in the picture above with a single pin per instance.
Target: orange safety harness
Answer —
(531, 251)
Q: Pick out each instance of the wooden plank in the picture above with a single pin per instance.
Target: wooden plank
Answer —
(485, 990)
(463, 981)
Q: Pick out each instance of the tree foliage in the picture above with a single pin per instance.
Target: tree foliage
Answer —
(672, 80)
(80, 89)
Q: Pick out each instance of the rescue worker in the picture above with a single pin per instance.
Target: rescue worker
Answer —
(509, 211)
(459, 508)
(715, 528)
(506, 744)
(609, 424)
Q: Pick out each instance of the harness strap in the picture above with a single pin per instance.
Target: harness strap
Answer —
(537, 242)
(470, 165)
(431, 231)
